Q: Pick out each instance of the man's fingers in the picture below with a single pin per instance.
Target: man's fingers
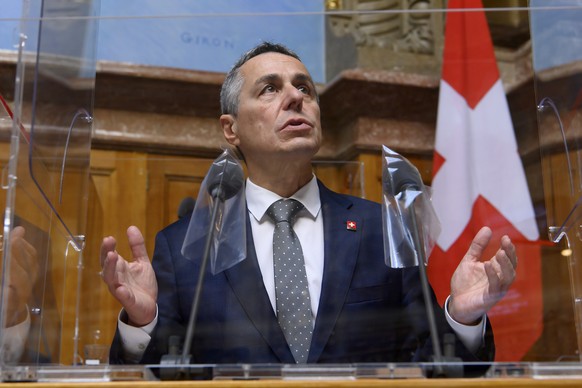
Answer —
(509, 248)
(17, 232)
(506, 268)
(479, 243)
(494, 281)
(29, 251)
(109, 267)
(113, 276)
(22, 249)
(108, 245)
(24, 255)
(137, 244)
(498, 285)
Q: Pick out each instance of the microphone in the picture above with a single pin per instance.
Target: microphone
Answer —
(186, 207)
(401, 176)
(223, 181)
(402, 179)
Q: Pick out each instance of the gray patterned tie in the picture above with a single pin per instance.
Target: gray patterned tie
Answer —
(293, 303)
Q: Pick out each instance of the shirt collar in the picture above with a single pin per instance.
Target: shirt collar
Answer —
(259, 199)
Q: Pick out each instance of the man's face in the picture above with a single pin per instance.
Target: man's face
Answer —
(278, 110)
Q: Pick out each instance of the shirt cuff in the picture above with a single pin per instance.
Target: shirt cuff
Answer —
(14, 340)
(134, 339)
(471, 336)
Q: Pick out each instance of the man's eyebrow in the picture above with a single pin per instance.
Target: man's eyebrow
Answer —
(299, 77)
(267, 78)
(302, 77)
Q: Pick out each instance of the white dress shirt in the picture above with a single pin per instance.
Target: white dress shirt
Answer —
(14, 340)
(308, 227)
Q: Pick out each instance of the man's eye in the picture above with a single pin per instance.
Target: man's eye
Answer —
(269, 89)
(304, 89)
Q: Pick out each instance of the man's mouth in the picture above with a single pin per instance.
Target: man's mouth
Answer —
(297, 124)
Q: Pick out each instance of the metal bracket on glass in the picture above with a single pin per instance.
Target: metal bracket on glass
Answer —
(545, 103)
(5, 177)
(81, 113)
(77, 359)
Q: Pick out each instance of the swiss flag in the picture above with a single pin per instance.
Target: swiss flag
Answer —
(479, 180)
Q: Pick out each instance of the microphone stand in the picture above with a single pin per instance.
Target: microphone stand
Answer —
(218, 196)
(417, 238)
(223, 181)
(183, 373)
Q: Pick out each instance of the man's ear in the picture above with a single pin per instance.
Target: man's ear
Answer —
(229, 129)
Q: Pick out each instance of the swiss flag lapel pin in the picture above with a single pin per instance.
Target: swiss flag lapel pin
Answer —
(351, 225)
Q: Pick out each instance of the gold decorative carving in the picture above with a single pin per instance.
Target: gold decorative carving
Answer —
(419, 32)
(401, 25)
(333, 5)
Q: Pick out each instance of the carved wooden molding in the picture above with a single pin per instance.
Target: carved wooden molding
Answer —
(400, 25)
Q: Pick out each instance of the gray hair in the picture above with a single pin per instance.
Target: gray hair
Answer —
(230, 91)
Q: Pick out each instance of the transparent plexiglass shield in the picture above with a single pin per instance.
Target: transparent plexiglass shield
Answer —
(377, 67)
(557, 62)
(410, 225)
(46, 182)
(217, 229)
(557, 89)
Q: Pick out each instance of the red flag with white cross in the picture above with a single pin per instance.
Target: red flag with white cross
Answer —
(479, 180)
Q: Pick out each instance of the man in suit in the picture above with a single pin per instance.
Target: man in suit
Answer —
(360, 310)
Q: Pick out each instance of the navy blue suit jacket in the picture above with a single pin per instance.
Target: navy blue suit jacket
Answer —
(367, 312)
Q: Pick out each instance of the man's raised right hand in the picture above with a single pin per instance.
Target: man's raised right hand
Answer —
(132, 283)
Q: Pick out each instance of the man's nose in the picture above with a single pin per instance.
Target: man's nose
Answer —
(293, 98)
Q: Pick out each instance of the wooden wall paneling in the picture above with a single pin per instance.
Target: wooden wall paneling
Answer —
(117, 200)
(170, 180)
(373, 175)
(120, 180)
(341, 176)
(97, 307)
(373, 171)
(329, 175)
(67, 262)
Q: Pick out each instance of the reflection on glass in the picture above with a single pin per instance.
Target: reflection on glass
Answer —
(557, 60)
(54, 107)
(46, 180)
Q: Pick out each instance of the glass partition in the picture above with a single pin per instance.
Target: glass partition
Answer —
(111, 120)
(46, 182)
(558, 88)
(558, 95)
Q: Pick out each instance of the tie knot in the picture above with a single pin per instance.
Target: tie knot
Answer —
(284, 210)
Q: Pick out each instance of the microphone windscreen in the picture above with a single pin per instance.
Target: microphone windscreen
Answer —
(225, 178)
(401, 175)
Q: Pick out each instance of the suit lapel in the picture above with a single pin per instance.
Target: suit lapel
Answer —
(341, 248)
(246, 281)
